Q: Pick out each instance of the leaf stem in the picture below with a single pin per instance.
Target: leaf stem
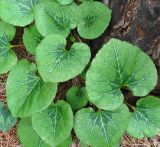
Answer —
(76, 36)
(130, 105)
(15, 46)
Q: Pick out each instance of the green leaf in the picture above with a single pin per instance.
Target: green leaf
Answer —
(82, 144)
(65, 2)
(53, 18)
(27, 94)
(102, 128)
(119, 64)
(85, 0)
(7, 57)
(77, 97)
(31, 39)
(145, 120)
(7, 121)
(28, 137)
(56, 64)
(93, 18)
(17, 12)
(54, 125)
(84, 72)
(7, 29)
(66, 143)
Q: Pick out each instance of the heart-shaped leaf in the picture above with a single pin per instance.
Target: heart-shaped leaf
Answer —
(7, 121)
(17, 12)
(7, 29)
(102, 128)
(26, 92)
(119, 64)
(53, 18)
(93, 18)
(145, 120)
(28, 137)
(54, 124)
(7, 57)
(77, 97)
(56, 64)
(31, 39)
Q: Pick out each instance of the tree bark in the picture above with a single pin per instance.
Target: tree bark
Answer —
(135, 21)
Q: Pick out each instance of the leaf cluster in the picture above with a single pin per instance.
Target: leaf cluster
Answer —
(97, 112)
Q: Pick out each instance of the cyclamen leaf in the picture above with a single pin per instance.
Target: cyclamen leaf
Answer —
(56, 64)
(65, 2)
(84, 72)
(77, 97)
(145, 120)
(54, 124)
(93, 18)
(53, 18)
(28, 137)
(31, 39)
(102, 128)
(17, 12)
(7, 29)
(119, 64)
(7, 121)
(7, 57)
(27, 94)
(66, 143)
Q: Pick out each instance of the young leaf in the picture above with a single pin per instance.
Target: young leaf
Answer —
(17, 12)
(93, 18)
(7, 29)
(119, 64)
(54, 124)
(28, 137)
(102, 128)
(7, 121)
(7, 57)
(56, 64)
(27, 94)
(53, 18)
(31, 39)
(65, 2)
(145, 120)
(77, 97)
